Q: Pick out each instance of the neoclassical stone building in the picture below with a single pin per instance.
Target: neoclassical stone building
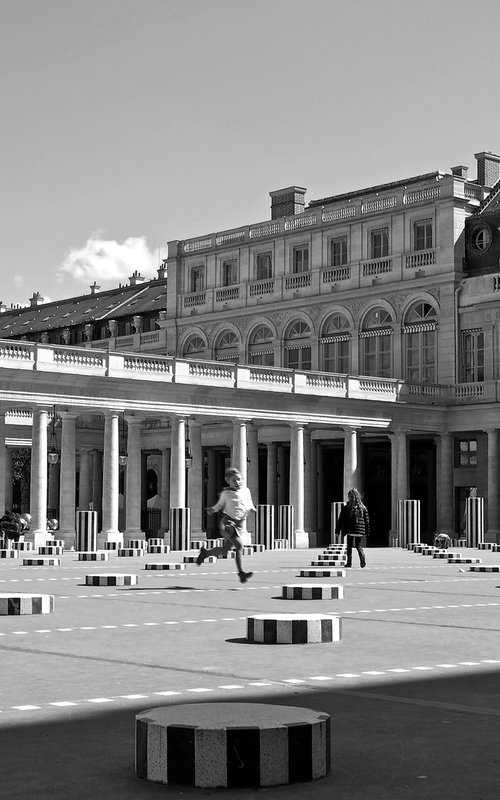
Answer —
(351, 340)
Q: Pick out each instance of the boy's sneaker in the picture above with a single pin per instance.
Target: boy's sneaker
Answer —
(244, 576)
(201, 555)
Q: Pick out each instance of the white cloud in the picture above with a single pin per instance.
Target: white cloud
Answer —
(107, 260)
(18, 280)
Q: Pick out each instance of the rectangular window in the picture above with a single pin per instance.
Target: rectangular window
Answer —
(197, 279)
(263, 266)
(336, 356)
(473, 357)
(338, 251)
(379, 243)
(298, 358)
(229, 272)
(422, 235)
(465, 452)
(300, 259)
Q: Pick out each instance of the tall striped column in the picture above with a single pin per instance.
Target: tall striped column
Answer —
(178, 463)
(408, 522)
(264, 533)
(335, 509)
(474, 521)
(84, 489)
(285, 523)
(180, 529)
(86, 531)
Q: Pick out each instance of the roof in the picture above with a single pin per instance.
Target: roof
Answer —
(428, 176)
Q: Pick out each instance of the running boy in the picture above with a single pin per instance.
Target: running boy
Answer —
(235, 503)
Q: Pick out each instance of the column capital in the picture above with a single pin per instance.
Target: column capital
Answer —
(64, 414)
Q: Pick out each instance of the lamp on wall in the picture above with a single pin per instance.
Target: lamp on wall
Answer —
(188, 454)
(53, 454)
(123, 457)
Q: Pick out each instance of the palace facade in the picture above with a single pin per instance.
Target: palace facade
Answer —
(346, 341)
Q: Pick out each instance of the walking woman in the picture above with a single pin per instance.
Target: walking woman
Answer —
(354, 523)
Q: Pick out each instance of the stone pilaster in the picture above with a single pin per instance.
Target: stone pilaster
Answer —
(301, 538)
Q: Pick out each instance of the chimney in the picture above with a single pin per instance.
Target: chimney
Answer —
(94, 288)
(36, 300)
(162, 271)
(136, 278)
(286, 202)
(460, 172)
(3, 307)
(488, 168)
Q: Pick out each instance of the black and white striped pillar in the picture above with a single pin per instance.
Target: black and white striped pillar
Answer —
(335, 509)
(474, 521)
(408, 522)
(86, 531)
(264, 526)
(180, 528)
(285, 523)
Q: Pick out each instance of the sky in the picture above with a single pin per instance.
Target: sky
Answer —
(130, 123)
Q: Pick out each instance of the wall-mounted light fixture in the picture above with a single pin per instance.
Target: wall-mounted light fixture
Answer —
(123, 457)
(188, 452)
(53, 454)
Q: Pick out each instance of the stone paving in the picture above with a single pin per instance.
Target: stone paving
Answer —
(413, 688)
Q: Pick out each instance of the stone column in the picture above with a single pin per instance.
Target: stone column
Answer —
(350, 460)
(110, 478)
(212, 490)
(253, 472)
(133, 482)
(493, 502)
(445, 485)
(301, 538)
(165, 489)
(399, 475)
(67, 494)
(195, 481)
(3, 461)
(272, 475)
(84, 487)
(178, 464)
(54, 478)
(38, 491)
(239, 451)
(315, 487)
(310, 499)
(97, 481)
(282, 482)
(9, 481)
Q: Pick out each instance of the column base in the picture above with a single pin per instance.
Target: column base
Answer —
(300, 540)
(131, 533)
(108, 536)
(39, 538)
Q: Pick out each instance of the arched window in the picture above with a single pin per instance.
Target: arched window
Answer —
(335, 345)
(260, 347)
(227, 347)
(298, 346)
(195, 347)
(376, 343)
(420, 338)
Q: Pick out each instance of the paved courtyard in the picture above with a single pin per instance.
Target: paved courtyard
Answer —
(413, 688)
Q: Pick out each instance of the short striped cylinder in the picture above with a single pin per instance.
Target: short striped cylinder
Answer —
(294, 628)
(417, 548)
(427, 552)
(158, 548)
(97, 555)
(281, 544)
(485, 568)
(335, 509)
(257, 548)
(131, 552)
(440, 554)
(285, 523)
(485, 545)
(155, 542)
(113, 545)
(460, 560)
(330, 556)
(41, 562)
(408, 521)
(9, 554)
(23, 546)
(192, 559)
(166, 566)
(495, 547)
(264, 526)
(232, 745)
(322, 573)
(460, 542)
(329, 562)
(209, 543)
(195, 544)
(86, 531)
(227, 554)
(23, 603)
(180, 528)
(50, 550)
(474, 521)
(312, 591)
(138, 544)
(55, 542)
(247, 550)
(114, 579)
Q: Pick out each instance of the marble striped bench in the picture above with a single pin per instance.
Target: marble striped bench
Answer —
(20, 603)
(294, 628)
(135, 544)
(173, 565)
(322, 573)
(50, 550)
(115, 579)
(312, 591)
(232, 745)
(93, 555)
(192, 559)
(9, 554)
(161, 549)
(463, 560)
(113, 545)
(446, 554)
(485, 568)
(131, 552)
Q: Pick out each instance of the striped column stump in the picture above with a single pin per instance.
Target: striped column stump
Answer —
(113, 545)
(441, 554)
(115, 579)
(329, 562)
(131, 552)
(257, 548)
(50, 550)
(495, 547)
(158, 548)
(312, 591)
(140, 544)
(294, 628)
(417, 548)
(264, 526)
(232, 745)
(9, 554)
(23, 546)
(460, 542)
(156, 542)
(474, 521)
(461, 560)
(54, 543)
(408, 522)
(15, 604)
(330, 556)
(428, 551)
(228, 554)
(281, 544)
(285, 523)
(335, 509)
(98, 555)
(484, 545)
(41, 562)
(195, 544)
(192, 559)
(209, 543)
(180, 528)
(164, 566)
(485, 568)
(247, 550)
(322, 573)
(86, 531)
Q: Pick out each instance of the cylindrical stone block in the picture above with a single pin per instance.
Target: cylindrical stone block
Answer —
(495, 547)
(460, 560)
(322, 573)
(484, 545)
(98, 555)
(232, 745)
(131, 552)
(474, 521)
(113, 545)
(138, 544)
(485, 568)
(166, 566)
(257, 548)
(281, 544)
(195, 544)
(312, 591)
(9, 554)
(158, 548)
(86, 531)
(41, 562)
(193, 559)
(15, 604)
(335, 509)
(114, 579)
(264, 526)
(155, 542)
(180, 528)
(408, 522)
(55, 543)
(49, 550)
(285, 523)
(293, 628)
(23, 546)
